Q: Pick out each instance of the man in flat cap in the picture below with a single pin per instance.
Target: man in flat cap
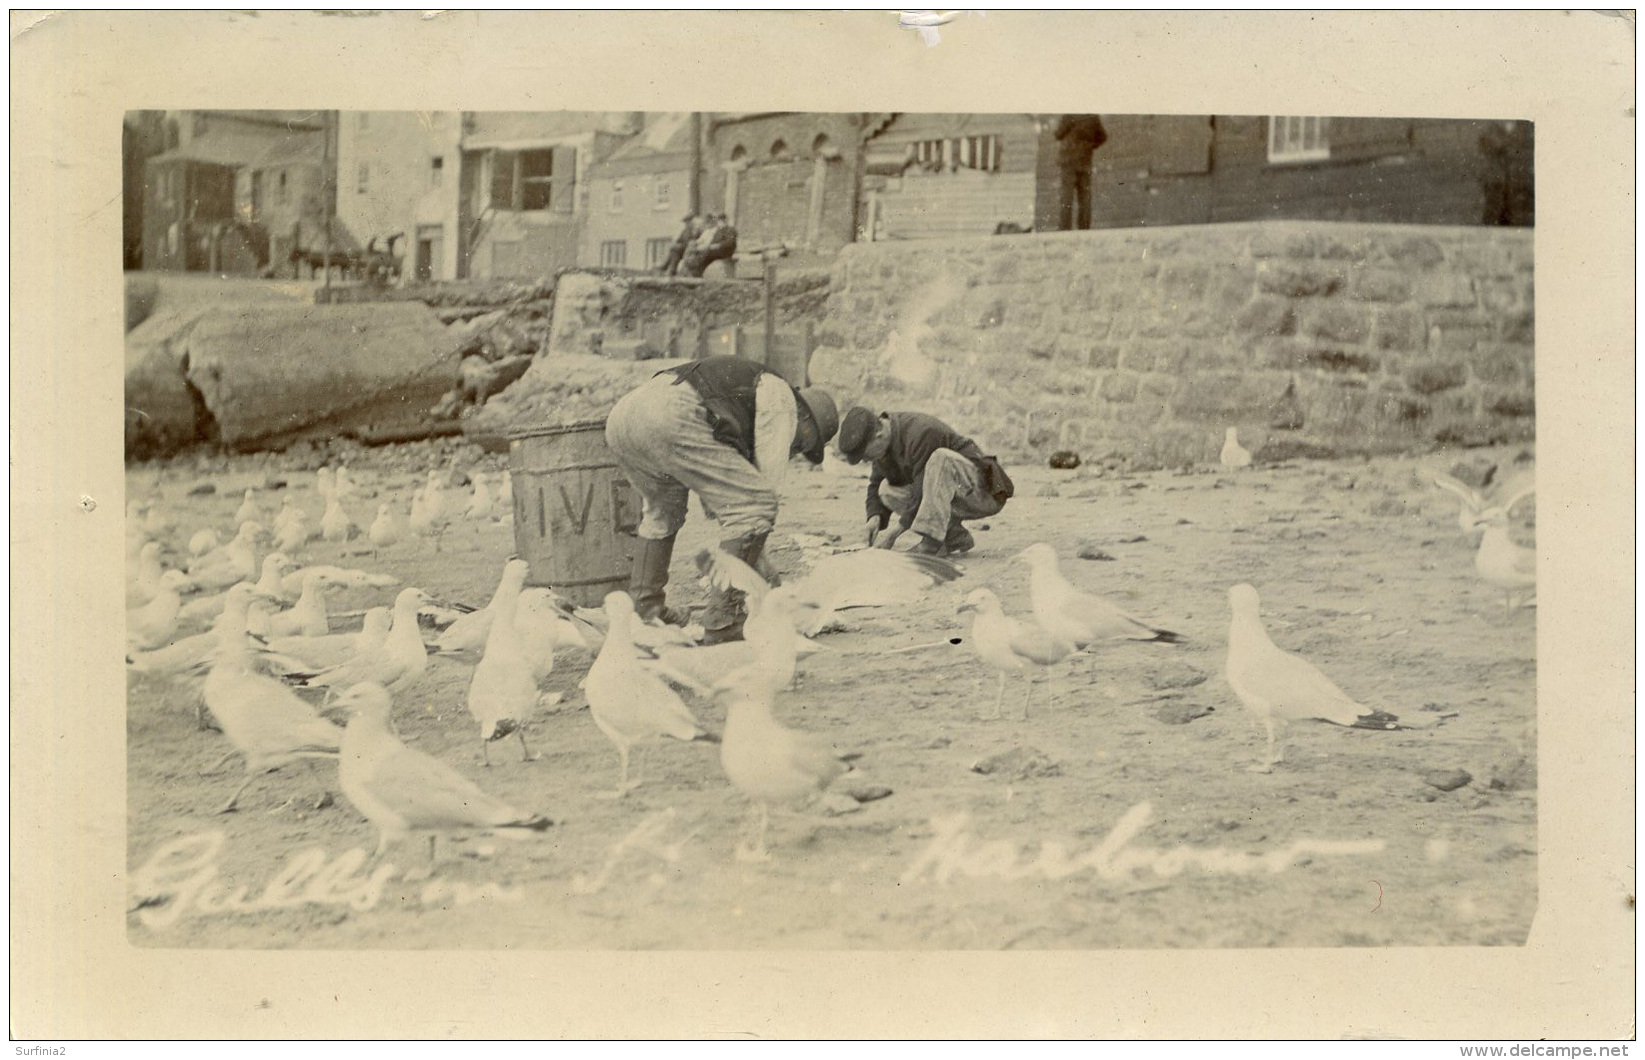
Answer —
(688, 235)
(931, 476)
(724, 428)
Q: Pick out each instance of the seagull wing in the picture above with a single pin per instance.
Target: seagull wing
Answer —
(428, 794)
(871, 578)
(1031, 641)
(1466, 493)
(1296, 689)
(723, 571)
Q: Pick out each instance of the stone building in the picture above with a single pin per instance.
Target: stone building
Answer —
(786, 178)
(522, 204)
(1201, 169)
(397, 182)
(638, 195)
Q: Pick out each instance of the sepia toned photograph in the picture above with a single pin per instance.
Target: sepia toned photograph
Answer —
(829, 530)
(1064, 525)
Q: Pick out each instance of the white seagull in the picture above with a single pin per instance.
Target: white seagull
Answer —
(1233, 453)
(504, 689)
(866, 578)
(153, 624)
(1279, 687)
(1076, 616)
(396, 663)
(248, 511)
(308, 616)
(1010, 645)
(402, 790)
(1500, 562)
(234, 562)
(333, 648)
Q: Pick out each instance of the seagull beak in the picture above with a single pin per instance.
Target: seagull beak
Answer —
(963, 608)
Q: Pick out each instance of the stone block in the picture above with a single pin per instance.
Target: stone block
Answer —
(1137, 414)
(1456, 333)
(1430, 376)
(1331, 359)
(1380, 285)
(1518, 327)
(1414, 253)
(1102, 355)
(1443, 290)
(1156, 389)
(1338, 323)
(1516, 402)
(1154, 355)
(1268, 316)
(991, 314)
(1398, 328)
(1400, 410)
(1229, 396)
(1185, 282)
(1290, 280)
(1503, 363)
(1503, 296)
(1118, 387)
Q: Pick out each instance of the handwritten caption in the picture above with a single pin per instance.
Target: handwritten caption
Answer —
(183, 877)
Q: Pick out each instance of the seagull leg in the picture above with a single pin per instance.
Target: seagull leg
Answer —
(525, 752)
(999, 700)
(221, 762)
(485, 752)
(1268, 765)
(1027, 697)
(228, 807)
(622, 776)
(757, 851)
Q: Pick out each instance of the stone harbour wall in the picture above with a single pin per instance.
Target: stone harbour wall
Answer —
(1141, 346)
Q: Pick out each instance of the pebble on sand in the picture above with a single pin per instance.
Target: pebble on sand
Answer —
(1447, 779)
(1182, 713)
(1019, 763)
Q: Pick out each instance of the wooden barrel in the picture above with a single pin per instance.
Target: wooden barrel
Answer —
(575, 515)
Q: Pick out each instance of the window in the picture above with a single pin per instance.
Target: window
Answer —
(660, 193)
(616, 195)
(1292, 139)
(362, 181)
(436, 171)
(779, 149)
(614, 254)
(965, 152)
(532, 180)
(280, 188)
(656, 252)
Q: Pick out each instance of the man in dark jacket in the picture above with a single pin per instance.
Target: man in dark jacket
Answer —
(1077, 136)
(927, 473)
(682, 243)
(723, 428)
(717, 242)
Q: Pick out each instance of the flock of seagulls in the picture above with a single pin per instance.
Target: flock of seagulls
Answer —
(283, 686)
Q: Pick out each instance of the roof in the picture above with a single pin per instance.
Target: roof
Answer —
(298, 148)
(218, 148)
(663, 146)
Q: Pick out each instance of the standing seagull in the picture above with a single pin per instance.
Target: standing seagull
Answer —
(767, 761)
(1233, 453)
(384, 530)
(504, 689)
(1010, 645)
(1499, 561)
(248, 511)
(401, 790)
(1280, 688)
(479, 505)
(335, 525)
(395, 663)
(1078, 617)
(262, 718)
(628, 702)
(1475, 503)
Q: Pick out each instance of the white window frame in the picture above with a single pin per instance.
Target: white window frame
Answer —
(656, 251)
(605, 251)
(1294, 139)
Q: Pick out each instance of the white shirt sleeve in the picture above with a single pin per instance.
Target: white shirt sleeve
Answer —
(776, 418)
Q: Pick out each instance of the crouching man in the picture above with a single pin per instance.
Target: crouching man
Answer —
(725, 429)
(932, 477)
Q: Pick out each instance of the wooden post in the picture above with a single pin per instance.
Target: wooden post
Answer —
(770, 263)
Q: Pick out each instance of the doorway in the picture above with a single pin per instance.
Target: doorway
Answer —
(430, 241)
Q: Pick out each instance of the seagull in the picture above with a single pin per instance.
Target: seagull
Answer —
(276, 565)
(1078, 617)
(1499, 561)
(153, 624)
(203, 541)
(262, 718)
(479, 505)
(396, 663)
(294, 534)
(470, 631)
(628, 702)
(767, 761)
(308, 617)
(401, 790)
(234, 562)
(348, 577)
(324, 483)
(866, 578)
(770, 642)
(290, 512)
(342, 487)
(384, 530)
(145, 578)
(1279, 687)
(505, 496)
(335, 525)
(333, 648)
(1010, 645)
(1233, 453)
(248, 511)
(1475, 503)
(504, 689)
(428, 516)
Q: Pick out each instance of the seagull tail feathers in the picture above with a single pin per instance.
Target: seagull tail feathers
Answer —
(1165, 636)
(1377, 719)
(707, 737)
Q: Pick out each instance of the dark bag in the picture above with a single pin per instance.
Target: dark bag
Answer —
(995, 482)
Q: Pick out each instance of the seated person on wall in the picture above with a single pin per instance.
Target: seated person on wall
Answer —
(931, 476)
(717, 242)
(724, 428)
(682, 242)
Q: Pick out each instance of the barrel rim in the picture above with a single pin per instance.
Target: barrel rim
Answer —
(562, 428)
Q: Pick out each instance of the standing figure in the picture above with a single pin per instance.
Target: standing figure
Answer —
(725, 429)
(1078, 135)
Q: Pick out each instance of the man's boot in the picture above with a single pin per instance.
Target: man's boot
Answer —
(726, 612)
(648, 584)
(959, 540)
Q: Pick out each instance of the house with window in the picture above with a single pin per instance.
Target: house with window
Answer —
(522, 203)
(939, 176)
(1199, 169)
(638, 195)
(398, 186)
(211, 197)
(786, 178)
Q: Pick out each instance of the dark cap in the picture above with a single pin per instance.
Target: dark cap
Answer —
(855, 431)
(824, 415)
